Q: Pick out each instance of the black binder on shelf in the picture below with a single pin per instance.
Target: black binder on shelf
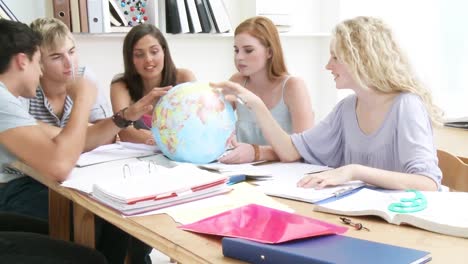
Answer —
(172, 17)
(203, 16)
(206, 5)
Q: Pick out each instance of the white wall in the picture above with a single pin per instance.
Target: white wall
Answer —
(210, 57)
(27, 10)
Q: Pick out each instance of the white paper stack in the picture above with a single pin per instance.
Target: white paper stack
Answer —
(144, 187)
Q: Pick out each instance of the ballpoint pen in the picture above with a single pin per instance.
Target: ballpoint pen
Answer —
(240, 100)
(346, 190)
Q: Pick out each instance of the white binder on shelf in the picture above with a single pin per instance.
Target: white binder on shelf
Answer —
(96, 16)
(162, 15)
(184, 25)
(192, 15)
(152, 11)
(219, 16)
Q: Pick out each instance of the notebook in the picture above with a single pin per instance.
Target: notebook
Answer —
(445, 213)
(286, 175)
(289, 190)
(324, 249)
(263, 224)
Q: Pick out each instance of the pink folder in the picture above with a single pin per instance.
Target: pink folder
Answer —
(263, 224)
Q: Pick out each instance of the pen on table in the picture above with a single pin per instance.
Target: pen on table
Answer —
(236, 179)
(345, 191)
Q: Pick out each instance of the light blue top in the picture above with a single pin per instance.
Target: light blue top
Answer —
(12, 115)
(403, 143)
(247, 130)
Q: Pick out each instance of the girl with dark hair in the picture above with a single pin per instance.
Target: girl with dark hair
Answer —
(148, 64)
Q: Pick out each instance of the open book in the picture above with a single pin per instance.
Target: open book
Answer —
(445, 213)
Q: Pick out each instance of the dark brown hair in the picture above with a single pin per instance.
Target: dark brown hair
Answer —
(130, 76)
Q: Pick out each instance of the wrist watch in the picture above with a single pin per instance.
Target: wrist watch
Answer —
(120, 121)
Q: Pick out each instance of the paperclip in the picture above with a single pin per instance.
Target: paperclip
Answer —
(128, 169)
(153, 164)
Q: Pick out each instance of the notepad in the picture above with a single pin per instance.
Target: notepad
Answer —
(445, 213)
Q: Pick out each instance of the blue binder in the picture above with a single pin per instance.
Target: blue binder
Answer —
(324, 249)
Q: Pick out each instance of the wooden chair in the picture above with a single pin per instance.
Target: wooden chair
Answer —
(454, 171)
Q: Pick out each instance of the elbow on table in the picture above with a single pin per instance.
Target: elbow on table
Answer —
(288, 158)
(59, 170)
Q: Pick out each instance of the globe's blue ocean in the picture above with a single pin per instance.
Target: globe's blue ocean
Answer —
(192, 123)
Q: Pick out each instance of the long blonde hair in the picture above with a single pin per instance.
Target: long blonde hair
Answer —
(367, 46)
(265, 31)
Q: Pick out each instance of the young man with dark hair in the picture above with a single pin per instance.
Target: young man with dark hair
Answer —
(21, 138)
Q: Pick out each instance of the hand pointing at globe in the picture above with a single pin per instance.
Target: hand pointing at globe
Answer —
(241, 153)
(145, 104)
(236, 92)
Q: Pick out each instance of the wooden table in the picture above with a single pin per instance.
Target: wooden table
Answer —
(161, 232)
(453, 140)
